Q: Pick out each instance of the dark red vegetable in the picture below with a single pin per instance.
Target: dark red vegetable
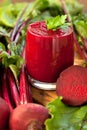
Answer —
(4, 114)
(13, 87)
(30, 112)
(25, 92)
(72, 85)
(5, 92)
(81, 51)
(0, 92)
(29, 116)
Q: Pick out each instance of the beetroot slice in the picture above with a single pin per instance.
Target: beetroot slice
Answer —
(72, 85)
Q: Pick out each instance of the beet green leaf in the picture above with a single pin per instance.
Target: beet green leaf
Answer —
(64, 117)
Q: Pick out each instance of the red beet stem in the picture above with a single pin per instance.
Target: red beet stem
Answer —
(23, 53)
(81, 51)
(19, 30)
(25, 92)
(0, 92)
(0, 84)
(5, 92)
(17, 24)
(13, 87)
(84, 41)
(65, 10)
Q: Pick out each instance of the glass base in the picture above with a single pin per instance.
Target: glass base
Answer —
(42, 85)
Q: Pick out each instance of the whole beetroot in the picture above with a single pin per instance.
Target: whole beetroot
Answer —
(4, 114)
(29, 116)
(72, 85)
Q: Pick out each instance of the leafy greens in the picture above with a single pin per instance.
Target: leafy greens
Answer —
(57, 22)
(80, 24)
(64, 117)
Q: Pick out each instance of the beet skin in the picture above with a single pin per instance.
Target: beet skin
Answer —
(72, 85)
(4, 114)
(29, 116)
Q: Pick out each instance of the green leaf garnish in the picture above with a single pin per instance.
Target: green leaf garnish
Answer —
(57, 22)
(65, 117)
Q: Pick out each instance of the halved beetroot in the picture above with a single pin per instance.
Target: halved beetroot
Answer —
(29, 116)
(72, 85)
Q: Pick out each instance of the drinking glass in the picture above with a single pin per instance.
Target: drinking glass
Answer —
(48, 53)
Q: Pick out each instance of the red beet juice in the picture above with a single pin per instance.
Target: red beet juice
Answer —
(48, 52)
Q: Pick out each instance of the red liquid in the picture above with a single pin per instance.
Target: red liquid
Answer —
(48, 52)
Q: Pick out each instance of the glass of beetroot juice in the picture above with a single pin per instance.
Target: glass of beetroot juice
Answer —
(48, 53)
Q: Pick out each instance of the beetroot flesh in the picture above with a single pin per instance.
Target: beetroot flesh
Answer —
(4, 114)
(29, 116)
(72, 85)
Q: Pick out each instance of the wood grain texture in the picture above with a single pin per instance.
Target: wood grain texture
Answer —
(43, 96)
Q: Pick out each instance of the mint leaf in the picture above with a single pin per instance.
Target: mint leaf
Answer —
(56, 22)
(65, 117)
